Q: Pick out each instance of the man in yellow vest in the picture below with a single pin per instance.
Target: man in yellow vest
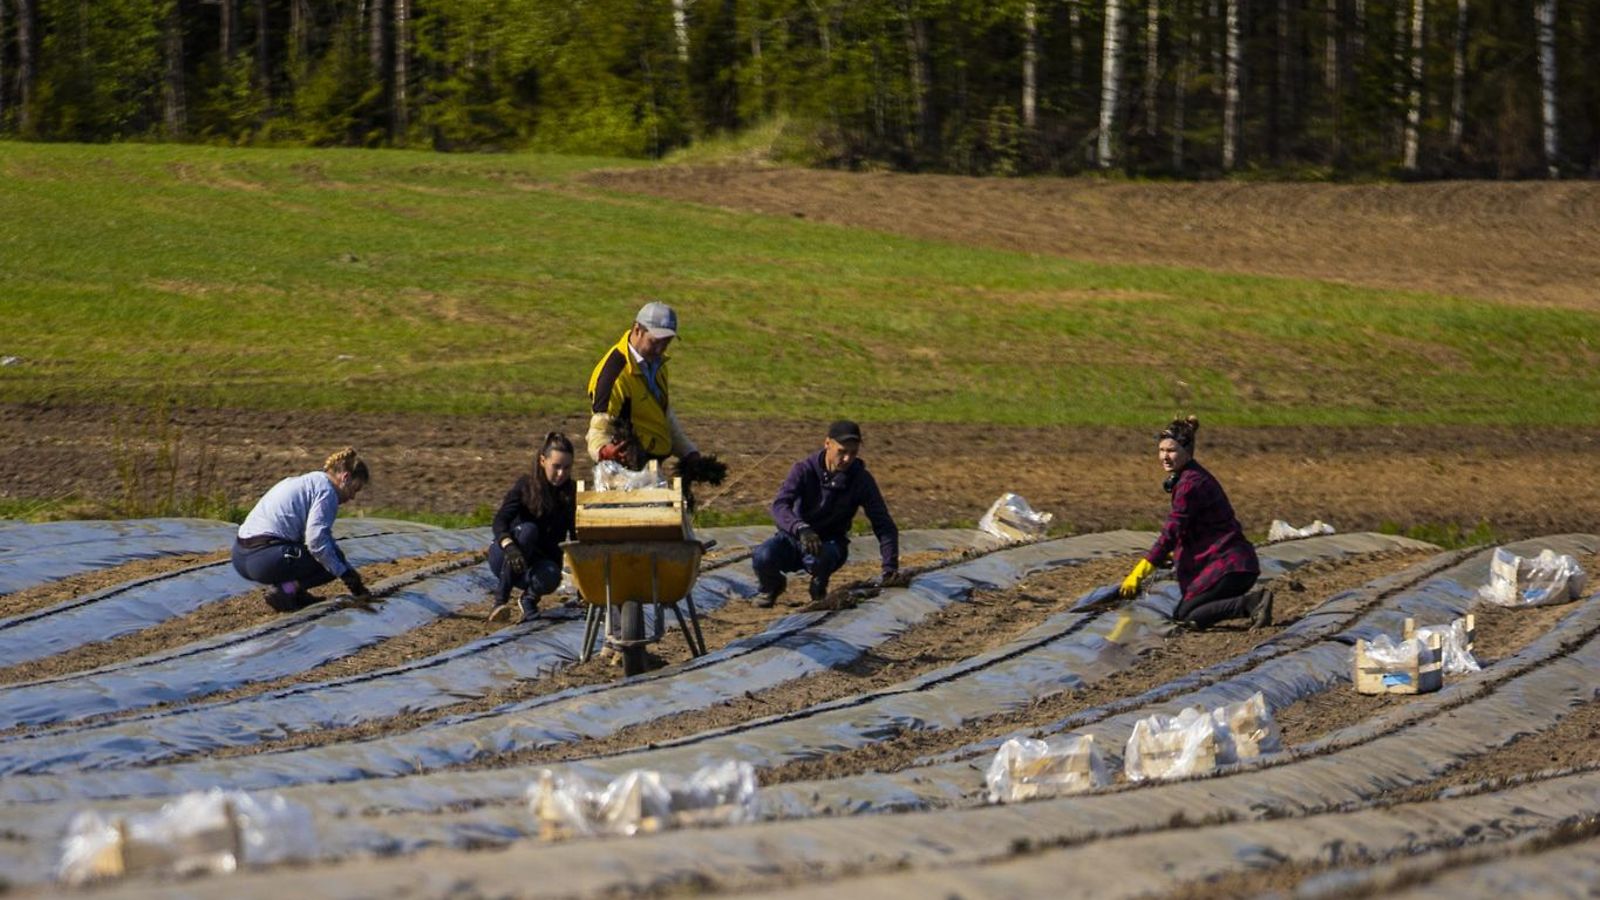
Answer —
(632, 421)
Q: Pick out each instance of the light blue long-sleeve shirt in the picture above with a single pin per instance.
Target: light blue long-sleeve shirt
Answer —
(300, 509)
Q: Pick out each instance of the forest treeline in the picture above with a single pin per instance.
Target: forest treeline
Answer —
(1305, 88)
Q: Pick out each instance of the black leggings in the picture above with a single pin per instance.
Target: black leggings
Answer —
(1223, 600)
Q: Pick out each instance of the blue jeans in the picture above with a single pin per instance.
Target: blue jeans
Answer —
(276, 563)
(542, 575)
(781, 553)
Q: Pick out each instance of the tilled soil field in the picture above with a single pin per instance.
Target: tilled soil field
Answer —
(407, 731)
(135, 667)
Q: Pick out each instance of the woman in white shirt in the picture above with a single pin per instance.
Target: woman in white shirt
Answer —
(287, 540)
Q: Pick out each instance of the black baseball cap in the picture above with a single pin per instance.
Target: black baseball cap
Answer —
(844, 430)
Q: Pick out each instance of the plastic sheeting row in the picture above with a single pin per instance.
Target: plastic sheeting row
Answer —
(523, 652)
(968, 852)
(1283, 678)
(765, 743)
(38, 554)
(792, 647)
(125, 609)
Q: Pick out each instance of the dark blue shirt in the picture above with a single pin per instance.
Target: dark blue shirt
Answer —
(827, 501)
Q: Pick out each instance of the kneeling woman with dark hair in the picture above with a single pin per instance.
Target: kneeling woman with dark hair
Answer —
(287, 540)
(534, 518)
(1215, 565)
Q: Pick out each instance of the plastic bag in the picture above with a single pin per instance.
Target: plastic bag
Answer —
(1392, 654)
(1195, 742)
(611, 475)
(1545, 580)
(1171, 746)
(1246, 730)
(643, 801)
(1456, 645)
(212, 832)
(1283, 531)
(1012, 519)
(1025, 768)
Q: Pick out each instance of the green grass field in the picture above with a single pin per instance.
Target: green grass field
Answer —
(387, 280)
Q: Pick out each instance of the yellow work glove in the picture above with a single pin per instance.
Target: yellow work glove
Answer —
(1130, 585)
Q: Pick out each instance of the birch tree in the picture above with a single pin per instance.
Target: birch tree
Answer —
(1414, 87)
(1075, 25)
(1030, 61)
(1458, 80)
(1110, 83)
(1152, 66)
(1230, 103)
(1180, 90)
(680, 28)
(402, 64)
(1545, 13)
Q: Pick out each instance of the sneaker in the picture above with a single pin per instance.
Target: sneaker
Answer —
(501, 613)
(770, 590)
(1260, 608)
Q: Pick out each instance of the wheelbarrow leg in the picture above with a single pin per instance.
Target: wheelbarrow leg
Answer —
(688, 636)
(694, 619)
(655, 600)
(591, 630)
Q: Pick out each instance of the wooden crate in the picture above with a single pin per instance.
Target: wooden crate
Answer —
(1067, 771)
(1410, 631)
(646, 514)
(1160, 750)
(1422, 676)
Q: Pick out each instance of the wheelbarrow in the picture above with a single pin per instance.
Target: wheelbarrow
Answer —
(633, 548)
(618, 578)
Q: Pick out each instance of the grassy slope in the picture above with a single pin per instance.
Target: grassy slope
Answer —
(412, 281)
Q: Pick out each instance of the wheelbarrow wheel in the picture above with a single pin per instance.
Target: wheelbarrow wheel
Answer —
(632, 637)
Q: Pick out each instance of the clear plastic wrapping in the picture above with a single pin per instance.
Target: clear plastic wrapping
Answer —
(1195, 742)
(1025, 768)
(611, 475)
(643, 801)
(1545, 580)
(1012, 519)
(211, 832)
(1456, 642)
(1283, 531)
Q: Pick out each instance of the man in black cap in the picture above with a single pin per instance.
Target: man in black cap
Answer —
(813, 511)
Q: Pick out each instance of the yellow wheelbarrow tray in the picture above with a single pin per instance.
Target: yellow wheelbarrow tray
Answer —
(623, 576)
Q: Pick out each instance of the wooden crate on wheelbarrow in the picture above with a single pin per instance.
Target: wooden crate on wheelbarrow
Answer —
(633, 548)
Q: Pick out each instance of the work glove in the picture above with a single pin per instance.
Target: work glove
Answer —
(894, 579)
(1130, 585)
(515, 561)
(616, 451)
(810, 541)
(353, 584)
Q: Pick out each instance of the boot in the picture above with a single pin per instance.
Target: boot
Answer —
(530, 606)
(500, 613)
(1259, 604)
(770, 591)
(819, 591)
(286, 597)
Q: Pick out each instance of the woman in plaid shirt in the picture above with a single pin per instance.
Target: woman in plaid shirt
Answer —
(1215, 566)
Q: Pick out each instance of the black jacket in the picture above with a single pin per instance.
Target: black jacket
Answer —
(555, 526)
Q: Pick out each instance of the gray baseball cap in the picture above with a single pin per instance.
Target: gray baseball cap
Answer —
(658, 318)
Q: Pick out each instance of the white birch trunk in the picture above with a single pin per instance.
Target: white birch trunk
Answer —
(1230, 104)
(680, 28)
(375, 40)
(1358, 37)
(1414, 94)
(1152, 66)
(402, 68)
(1546, 13)
(1110, 83)
(1218, 57)
(1458, 82)
(1401, 43)
(824, 29)
(227, 25)
(1030, 61)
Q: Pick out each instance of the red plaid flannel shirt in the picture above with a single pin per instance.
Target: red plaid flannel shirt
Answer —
(1201, 534)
